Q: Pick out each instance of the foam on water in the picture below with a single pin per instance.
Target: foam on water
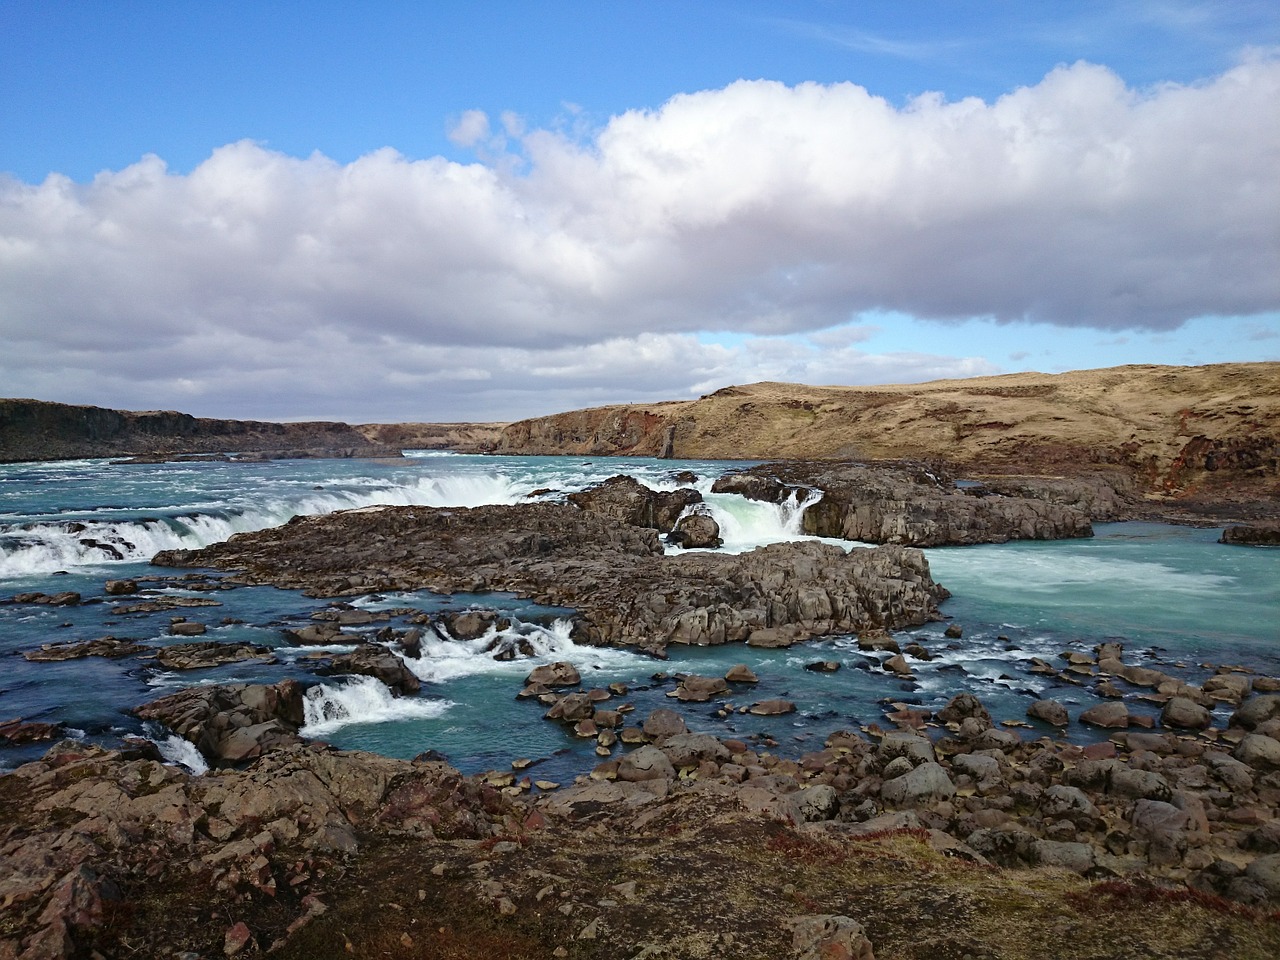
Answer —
(529, 644)
(182, 753)
(747, 524)
(330, 707)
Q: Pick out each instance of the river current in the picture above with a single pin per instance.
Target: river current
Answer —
(1175, 598)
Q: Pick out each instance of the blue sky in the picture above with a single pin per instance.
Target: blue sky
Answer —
(449, 211)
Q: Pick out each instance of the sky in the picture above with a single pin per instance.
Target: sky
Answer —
(448, 211)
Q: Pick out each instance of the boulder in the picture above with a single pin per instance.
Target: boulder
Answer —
(664, 723)
(741, 673)
(696, 530)
(199, 656)
(772, 708)
(696, 689)
(1050, 711)
(1259, 752)
(645, 763)
(829, 937)
(963, 706)
(625, 500)
(924, 785)
(1257, 710)
(373, 660)
(186, 628)
(1183, 714)
(690, 749)
(1113, 715)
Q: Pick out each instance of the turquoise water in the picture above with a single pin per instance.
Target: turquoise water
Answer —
(1172, 595)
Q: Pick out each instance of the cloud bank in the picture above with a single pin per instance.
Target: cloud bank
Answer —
(556, 272)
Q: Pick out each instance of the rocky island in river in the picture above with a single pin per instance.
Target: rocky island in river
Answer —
(933, 834)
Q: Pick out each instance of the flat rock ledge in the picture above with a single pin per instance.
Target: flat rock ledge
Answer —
(918, 504)
(1168, 845)
(625, 591)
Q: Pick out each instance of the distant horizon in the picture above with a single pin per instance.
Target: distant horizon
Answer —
(401, 211)
(789, 383)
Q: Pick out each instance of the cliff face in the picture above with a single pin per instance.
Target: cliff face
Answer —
(1173, 429)
(37, 430)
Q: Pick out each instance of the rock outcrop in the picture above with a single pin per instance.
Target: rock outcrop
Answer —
(624, 590)
(908, 503)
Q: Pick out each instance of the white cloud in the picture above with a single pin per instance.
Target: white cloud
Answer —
(579, 270)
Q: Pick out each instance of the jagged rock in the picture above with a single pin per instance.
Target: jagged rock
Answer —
(117, 588)
(1252, 534)
(571, 708)
(317, 635)
(20, 731)
(626, 500)
(473, 624)
(625, 591)
(741, 673)
(231, 722)
(909, 503)
(372, 660)
(829, 937)
(962, 707)
(1228, 687)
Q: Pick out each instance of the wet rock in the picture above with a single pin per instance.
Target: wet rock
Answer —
(558, 674)
(1183, 714)
(186, 628)
(473, 624)
(1108, 715)
(697, 530)
(1050, 711)
(20, 731)
(231, 722)
(741, 673)
(772, 708)
(1252, 534)
(111, 648)
(823, 666)
(626, 500)
(696, 689)
(119, 588)
(372, 660)
(964, 706)
(317, 635)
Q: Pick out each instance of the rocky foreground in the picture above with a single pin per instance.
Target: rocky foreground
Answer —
(942, 836)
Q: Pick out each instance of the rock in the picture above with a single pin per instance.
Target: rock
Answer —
(1256, 711)
(1077, 857)
(645, 763)
(772, 708)
(898, 665)
(829, 937)
(1252, 534)
(118, 588)
(200, 656)
(571, 708)
(663, 723)
(1050, 711)
(815, 803)
(697, 530)
(558, 674)
(924, 785)
(110, 647)
(1164, 828)
(954, 631)
(915, 748)
(1183, 714)
(1063, 802)
(741, 673)
(1265, 871)
(690, 749)
(1228, 687)
(626, 500)
(18, 731)
(696, 689)
(237, 940)
(232, 722)
(823, 666)
(317, 635)
(473, 624)
(1107, 715)
(1138, 784)
(373, 660)
(963, 706)
(186, 628)
(1259, 752)
(981, 768)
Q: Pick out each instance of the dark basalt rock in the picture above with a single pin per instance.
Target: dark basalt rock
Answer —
(200, 656)
(624, 590)
(626, 500)
(110, 647)
(372, 660)
(908, 503)
(1252, 535)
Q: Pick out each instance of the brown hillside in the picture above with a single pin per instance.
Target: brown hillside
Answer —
(1175, 429)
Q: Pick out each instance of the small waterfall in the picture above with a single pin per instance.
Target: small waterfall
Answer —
(329, 707)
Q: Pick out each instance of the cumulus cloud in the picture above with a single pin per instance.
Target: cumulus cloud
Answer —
(583, 268)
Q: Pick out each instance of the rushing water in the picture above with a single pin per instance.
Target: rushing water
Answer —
(1175, 597)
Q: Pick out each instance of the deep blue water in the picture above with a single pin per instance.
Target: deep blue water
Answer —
(1175, 597)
